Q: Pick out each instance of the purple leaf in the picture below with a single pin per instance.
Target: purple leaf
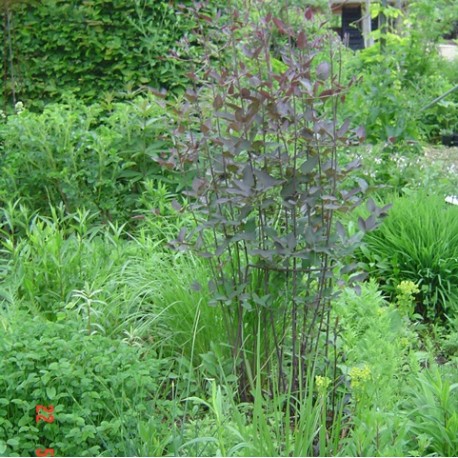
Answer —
(181, 235)
(196, 286)
(281, 26)
(340, 229)
(308, 14)
(344, 128)
(218, 102)
(309, 164)
(176, 205)
(198, 185)
(323, 70)
(265, 179)
(301, 40)
(361, 133)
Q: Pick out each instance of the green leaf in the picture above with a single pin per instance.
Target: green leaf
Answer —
(51, 392)
(13, 442)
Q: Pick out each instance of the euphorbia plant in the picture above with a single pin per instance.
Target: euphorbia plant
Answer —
(268, 192)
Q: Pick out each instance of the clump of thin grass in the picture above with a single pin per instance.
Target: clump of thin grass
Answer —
(120, 285)
(418, 241)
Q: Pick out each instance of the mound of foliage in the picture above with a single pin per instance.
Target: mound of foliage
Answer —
(104, 158)
(100, 389)
(418, 241)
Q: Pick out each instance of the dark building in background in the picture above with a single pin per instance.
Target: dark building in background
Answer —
(356, 23)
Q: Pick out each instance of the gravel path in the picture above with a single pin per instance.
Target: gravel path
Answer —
(446, 156)
(448, 51)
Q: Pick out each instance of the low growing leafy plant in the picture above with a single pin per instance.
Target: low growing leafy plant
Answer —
(122, 286)
(100, 390)
(370, 327)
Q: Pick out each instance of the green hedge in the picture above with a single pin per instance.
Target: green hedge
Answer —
(88, 47)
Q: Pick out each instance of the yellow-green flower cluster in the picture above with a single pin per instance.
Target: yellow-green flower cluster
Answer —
(322, 384)
(359, 376)
(407, 288)
(405, 299)
(19, 107)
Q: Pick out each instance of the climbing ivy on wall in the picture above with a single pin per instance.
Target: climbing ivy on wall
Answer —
(89, 47)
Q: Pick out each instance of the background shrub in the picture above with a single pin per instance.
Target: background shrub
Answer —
(395, 85)
(96, 157)
(397, 89)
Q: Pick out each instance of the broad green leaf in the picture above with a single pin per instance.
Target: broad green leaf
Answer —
(50, 392)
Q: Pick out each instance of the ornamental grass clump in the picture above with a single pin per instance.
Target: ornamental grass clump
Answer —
(417, 242)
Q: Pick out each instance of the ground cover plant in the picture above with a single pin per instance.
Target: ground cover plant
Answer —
(236, 267)
(99, 388)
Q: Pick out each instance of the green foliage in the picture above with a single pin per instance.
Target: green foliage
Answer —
(432, 20)
(88, 48)
(151, 297)
(46, 265)
(393, 114)
(394, 85)
(266, 427)
(54, 257)
(448, 341)
(125, 289)
(390, 113)
(418, 241)
(100, 390)
(370, 327)
(96, 157)
(434, 413)
(143, 356)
